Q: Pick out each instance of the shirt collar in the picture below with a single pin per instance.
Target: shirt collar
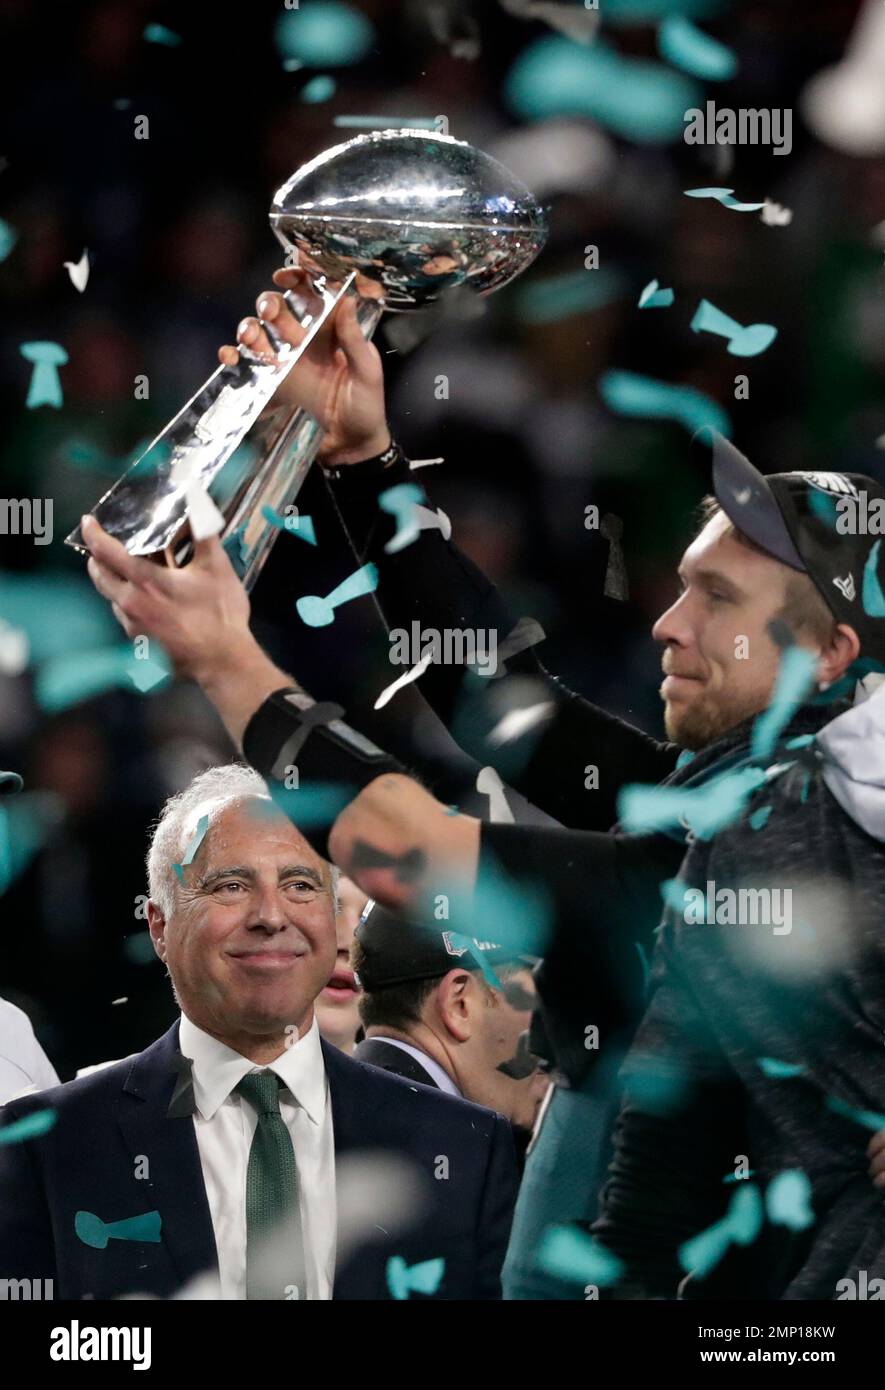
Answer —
(430, 1065)
(217, 1069)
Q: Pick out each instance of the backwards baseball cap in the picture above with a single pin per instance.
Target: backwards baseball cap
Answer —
(395, 950)
(794, 518)
(10, 782)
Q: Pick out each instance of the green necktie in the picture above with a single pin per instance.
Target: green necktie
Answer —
(274, 1247)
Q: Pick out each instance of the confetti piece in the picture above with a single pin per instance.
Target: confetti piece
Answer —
(404, 1280)
(656, 1085)
(203, 516)
(489, 784)
(872, 596)
(759, 817)
(324, 34)
(79, 271)
(124, 999)
(400, 501)
(472, 947)
(526, 634)
(788, 1200)
(685, 757)
(518, 722)
(73, 676)
(628, 393)
(779, 1071)
(318, 89)
(773, 215)
(8, 238)
(823, 504)
(561, 296)
(45, 387)
(868, 1118)
(139, 949)
(572, 1254)
(747, 341)
(15, 649)
(424, 463)
(426, 520)
(652, 297)
(317, 611)
(29, 1127)
(739, 1177)
(636, 99)
(745, 1214)
(706, 810)
(95, 1233)
(301, 526)
(158, 33)
(193, 847)
(406, 678)
(741, 1224)
(723, 196)
(795, 678)
(317, 804)
(685, 46)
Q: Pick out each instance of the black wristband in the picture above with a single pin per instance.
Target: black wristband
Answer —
(330, 756)
(391, 465)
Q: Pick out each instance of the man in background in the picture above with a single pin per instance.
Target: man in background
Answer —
(337, 1005)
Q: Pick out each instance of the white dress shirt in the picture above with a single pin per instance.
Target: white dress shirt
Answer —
(225, 1123)
(24, 1065)
(430, 1064)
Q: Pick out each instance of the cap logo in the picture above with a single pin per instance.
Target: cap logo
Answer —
(454, 950)
(846, 587)
(831, 482)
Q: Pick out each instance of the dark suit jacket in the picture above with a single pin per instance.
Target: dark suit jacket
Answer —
(380, 1053)
(110, 1122)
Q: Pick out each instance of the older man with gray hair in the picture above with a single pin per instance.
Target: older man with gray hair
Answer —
(217, 1148)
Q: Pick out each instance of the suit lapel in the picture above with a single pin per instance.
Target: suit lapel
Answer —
(175, 1180)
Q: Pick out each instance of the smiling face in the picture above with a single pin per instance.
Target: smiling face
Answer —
(728, 591)
(250, 941)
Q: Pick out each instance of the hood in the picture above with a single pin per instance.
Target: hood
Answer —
(852, 747)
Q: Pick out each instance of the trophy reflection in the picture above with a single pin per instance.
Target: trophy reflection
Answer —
(395, 218)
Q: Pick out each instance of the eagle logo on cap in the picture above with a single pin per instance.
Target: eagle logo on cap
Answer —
(832, 482)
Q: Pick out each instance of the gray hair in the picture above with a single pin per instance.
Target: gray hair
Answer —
(208, 794)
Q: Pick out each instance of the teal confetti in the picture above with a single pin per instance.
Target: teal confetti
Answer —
(301, 526)
(8, 238)
(316, 611)
(193, 847)
(656, 1085)
(400, 502)
(800, 741)
(404, 1280)
(158, 33)
(324, 34)
(723, 196)
(318, 804)
(747, 341)
(472, 947)
(72, 677)
(637, 99)
(823, 504)
(739, 1177)
(628, 393)
(653, 297)
(795, 678)
(685, 46)
(570, 1254)
(788, 1200)
(868, 1118)
(27, 823)
(684, 758)
(139, 949)
(29, 1127)
(745, 1215)
(741, 1224)
(673, 893)
(759, 817)
(318, 89)
(779, 1071)
(872, 597)
(95, 1233)
(559, 297)
(45, 387)
(706, 810)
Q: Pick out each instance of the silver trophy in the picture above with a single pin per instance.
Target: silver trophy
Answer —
(396, 218)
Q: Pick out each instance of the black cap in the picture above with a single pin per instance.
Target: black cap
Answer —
(395, 950)
(797, 519)
(10, 782)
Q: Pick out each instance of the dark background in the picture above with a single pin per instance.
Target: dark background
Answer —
(179, 246)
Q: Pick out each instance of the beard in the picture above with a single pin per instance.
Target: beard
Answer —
(692, 726)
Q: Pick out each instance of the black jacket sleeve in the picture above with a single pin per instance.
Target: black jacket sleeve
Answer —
(431, 583)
